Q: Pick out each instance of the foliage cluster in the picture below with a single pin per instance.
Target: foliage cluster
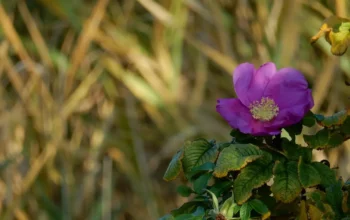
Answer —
(262, 177)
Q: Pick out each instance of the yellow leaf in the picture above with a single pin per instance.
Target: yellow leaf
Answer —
(303, 213)
(314, 213)
(327, 26)
(266, 215)
(339, 42)
(337, 34)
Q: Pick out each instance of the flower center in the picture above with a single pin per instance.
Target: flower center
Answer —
(264, 110)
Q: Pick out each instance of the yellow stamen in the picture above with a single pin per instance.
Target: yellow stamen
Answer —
(264, 110)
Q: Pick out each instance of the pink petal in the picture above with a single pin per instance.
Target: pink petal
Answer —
(288, 88)
(250, 83)
(242, 77)
(239, 117)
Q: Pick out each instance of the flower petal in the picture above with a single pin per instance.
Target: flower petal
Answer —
(234, 112)
(293, 114)
(250, 83)
(259, 129)
(239, 117)
(242, 77)
(288, 88)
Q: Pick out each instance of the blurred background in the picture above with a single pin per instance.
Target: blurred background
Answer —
(96, 96)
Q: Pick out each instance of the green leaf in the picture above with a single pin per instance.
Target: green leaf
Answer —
(201, 182)
(286, 186)
(345, 202)
(308, 175)
(187, 208)
(242, 138)
(318, 198)
(333, 120)
(205, 167)
(199, 212)
(319, 140)
(229, 208)
(184, 191)
(335, 140)
(345, 26)
(323, 137)
(252, 176)
(319, 117)
(197, 153)
(244, 212)
(270, 202)
(334, 196)
(309, 119)
(174, 167)
(294, 130)
(220, 186)
(188, 217)
(328, 176)
(294, 151)
(167, 217)
(260, 208)
(222, 146)
(236, 157)
(345, 127)
(215, 201)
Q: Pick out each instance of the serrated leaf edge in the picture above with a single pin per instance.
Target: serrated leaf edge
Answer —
(181, 168)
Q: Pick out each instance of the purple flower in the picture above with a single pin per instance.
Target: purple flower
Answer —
(268, 99)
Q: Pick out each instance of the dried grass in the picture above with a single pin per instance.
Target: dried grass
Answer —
(96, 96)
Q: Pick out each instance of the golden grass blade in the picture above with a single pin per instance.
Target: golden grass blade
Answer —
(176, 41)
(35, 168)
(54, 7)
(198, 91)
(13, 76)
(222, 32)
(163, 56)
(84, 40)
(224, 61)
(319, 7)
(38, 164)
(151, 100)
(16, 43)
(324, 82)
(289, 39)
(81, 92)
(4, 45)
(117, 42)
(107, 169)
(197, 7)
(135, 84)
(68, 41)
(157, 11)
(35, 34)
(21, 215)
(341, 8)
(97, 142)
(272, 23)
(140, 155)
